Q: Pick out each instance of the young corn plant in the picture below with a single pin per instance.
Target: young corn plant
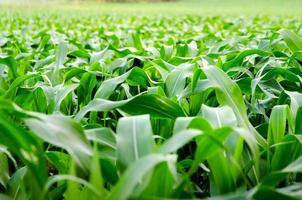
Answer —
(150, 108)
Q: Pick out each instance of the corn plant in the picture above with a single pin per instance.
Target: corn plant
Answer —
(115, 108)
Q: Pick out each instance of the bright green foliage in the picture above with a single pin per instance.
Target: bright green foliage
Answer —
(114, 107)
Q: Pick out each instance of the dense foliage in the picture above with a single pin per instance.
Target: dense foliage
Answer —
(115, 107)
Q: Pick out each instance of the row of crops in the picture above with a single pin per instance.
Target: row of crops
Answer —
(121, 107)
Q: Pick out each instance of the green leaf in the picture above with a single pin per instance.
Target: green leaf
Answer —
(80, 54)
(103, 136)
(161, 183)
(60, 160)
(61, 55)
(266, 192)
(228, 93)
(72, 180)
(211, 142)
(293, 41)
(60, 92)
(65, 133)
(134, 174)
(277, 123)
(134, 139)
(295, 101)
(25, 146)
(176, 80)
(237, 61)
(10, 93)
(108, 86)
(222, 177)
(4, 169)
(295, 166)
(96, 178)
(298, 127)
(281, 158)
(219, 117)
(154, 105)
(16, 187)
(12, 65)
(178, 140)
(99, 105)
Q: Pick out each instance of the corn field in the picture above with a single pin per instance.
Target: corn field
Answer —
(150, 107)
